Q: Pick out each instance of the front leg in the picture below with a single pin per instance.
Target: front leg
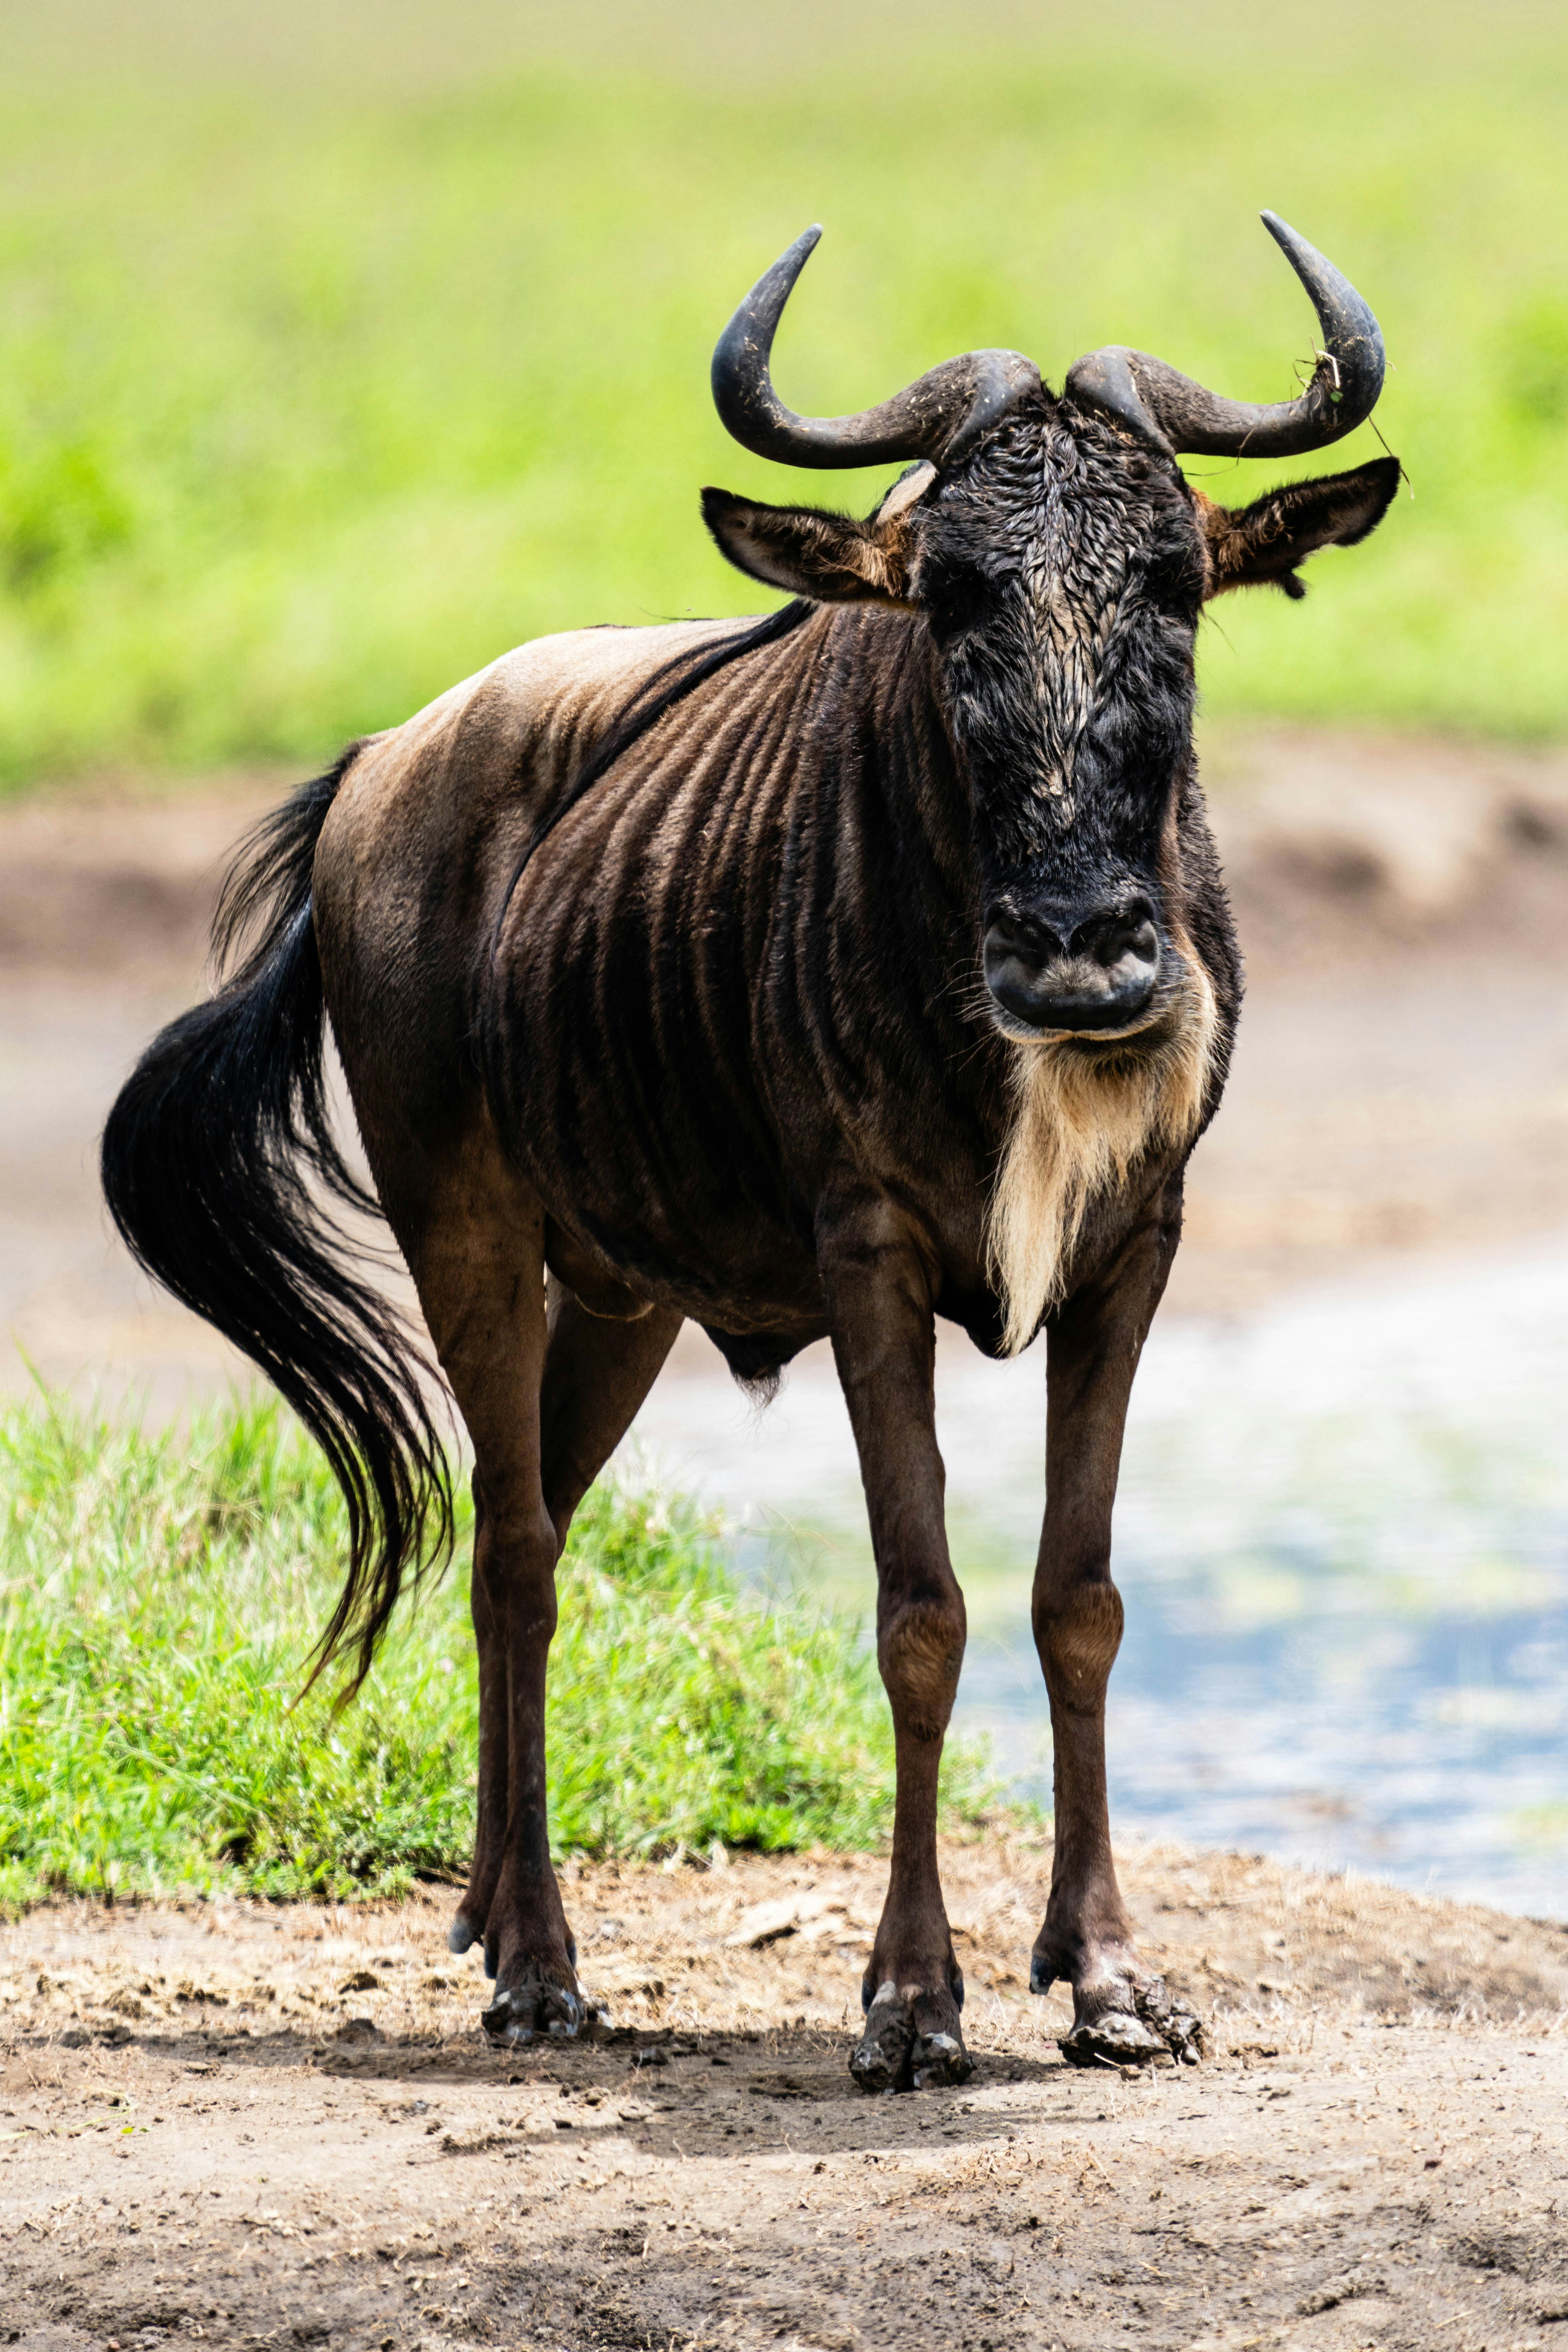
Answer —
(1123, 2012)
(879, 1303)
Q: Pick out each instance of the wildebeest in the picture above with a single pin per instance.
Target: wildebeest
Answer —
(816, 975)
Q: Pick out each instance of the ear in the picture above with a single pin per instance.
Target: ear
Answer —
(831, 558)
(1265, 541)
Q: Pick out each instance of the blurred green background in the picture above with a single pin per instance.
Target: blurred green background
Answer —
(343, 347)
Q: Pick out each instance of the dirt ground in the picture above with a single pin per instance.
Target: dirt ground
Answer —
(249, 2127)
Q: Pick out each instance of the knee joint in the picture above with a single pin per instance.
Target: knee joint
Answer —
(1078, 1638)
(920, 1649)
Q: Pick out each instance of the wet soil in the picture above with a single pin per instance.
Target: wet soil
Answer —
(254, 2126)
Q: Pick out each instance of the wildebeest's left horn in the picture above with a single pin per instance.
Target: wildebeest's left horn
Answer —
(939, 417)
(1171, 413)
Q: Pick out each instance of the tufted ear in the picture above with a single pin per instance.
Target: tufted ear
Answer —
(1264, 542)
(833, 559)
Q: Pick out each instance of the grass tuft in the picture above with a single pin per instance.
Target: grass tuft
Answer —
(159, 1595)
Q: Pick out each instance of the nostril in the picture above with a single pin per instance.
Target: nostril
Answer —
(1129, 935)
(1027, 937)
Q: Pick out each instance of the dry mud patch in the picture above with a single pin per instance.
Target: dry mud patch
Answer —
(251, 2124)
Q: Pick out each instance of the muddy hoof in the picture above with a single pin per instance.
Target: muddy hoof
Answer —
(936, 2059)
(1154, 2029)
(462, 1935)
(893, 2055)
(1117, 2039)
(880, 2059)
(539, 2011)
(1180, 2027)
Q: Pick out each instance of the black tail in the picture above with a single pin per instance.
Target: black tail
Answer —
(218, 1158)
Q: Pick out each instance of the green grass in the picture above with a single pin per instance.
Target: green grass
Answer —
(322, 382)
(158, 1599)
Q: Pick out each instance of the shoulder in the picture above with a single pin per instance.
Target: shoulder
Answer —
(497, 744)
(568, 686)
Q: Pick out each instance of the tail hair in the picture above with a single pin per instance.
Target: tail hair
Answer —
(222, 1171)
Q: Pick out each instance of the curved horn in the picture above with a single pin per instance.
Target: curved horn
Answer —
(938, 417)
(1170, 413)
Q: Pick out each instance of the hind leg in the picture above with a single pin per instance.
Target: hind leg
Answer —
(478, 1259)
(597, 1370)
(596, 1373)
(545, 1396)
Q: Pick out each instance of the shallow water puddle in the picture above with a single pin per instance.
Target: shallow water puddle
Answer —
(1342, 1537)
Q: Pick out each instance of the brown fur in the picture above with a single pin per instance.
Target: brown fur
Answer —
(1079, 1643)
(1263, 544)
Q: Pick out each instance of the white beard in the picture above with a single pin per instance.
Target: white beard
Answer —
(1081, 1121)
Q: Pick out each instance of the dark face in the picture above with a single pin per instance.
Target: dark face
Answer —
(1061, 568)
(1062, 574)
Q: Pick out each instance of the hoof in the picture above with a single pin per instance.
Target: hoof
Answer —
(541, 2012)
(894, 2054)
(936, 2059)
(1117, 2039)
(462, 1935)
(1150, 2028)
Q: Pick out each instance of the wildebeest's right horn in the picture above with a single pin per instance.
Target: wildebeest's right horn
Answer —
(1171, 413)
(939, 417)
